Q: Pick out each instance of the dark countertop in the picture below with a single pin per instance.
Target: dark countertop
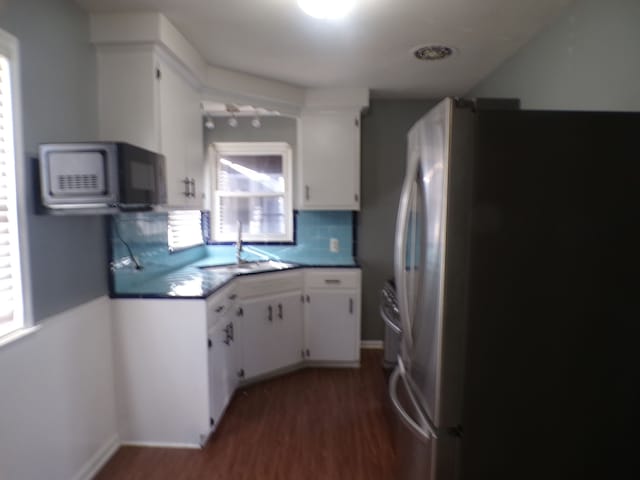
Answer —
(194, 282)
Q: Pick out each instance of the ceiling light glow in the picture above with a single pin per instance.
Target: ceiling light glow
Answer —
(326, 9)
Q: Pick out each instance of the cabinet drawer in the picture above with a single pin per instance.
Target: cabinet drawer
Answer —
(333, 278)
(258, 285)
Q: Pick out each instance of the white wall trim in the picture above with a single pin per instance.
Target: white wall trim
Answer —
(98, 459)
(372, 344)
(193, 446)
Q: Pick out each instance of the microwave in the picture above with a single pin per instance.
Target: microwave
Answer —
(115, 175)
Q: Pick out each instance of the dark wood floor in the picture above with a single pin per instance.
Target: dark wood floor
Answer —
(315, 424)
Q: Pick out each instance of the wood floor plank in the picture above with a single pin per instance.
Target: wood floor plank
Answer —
(314, 424)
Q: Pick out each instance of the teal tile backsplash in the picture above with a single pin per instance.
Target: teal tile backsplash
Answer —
(146, 235)
(314, 229)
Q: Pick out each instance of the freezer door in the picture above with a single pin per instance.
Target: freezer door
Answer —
(414, 439)
(421, 453)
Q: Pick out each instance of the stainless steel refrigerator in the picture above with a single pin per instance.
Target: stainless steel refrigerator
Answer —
(517, 282)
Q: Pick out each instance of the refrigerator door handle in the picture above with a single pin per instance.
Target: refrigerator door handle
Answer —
(394, 328)
(400, 253)
(424, 433)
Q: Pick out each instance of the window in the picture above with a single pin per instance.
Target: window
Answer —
(12, 312)
(252, 185)
(185, 229)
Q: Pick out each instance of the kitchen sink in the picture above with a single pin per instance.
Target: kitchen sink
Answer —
(249, 267)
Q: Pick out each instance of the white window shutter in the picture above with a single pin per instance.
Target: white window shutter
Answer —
(185, 229)
(11, 316)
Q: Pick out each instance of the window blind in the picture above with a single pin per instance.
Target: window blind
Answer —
(10, 281)
(185, 229)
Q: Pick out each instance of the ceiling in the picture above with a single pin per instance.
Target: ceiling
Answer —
(372, 47)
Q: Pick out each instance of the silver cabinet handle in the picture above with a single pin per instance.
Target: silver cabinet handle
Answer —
(280, 311)
(270, 315)
(192, 190)
(219, 309)
(187, 187)
(307, 192)
(233, 296)
(394, 328)
(332, 281)
(351, 305)
(423, 434)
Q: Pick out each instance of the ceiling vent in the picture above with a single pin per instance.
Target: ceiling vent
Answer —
(433, 52)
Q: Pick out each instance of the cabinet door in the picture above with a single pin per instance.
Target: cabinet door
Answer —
(219, 348)
(233, 360)
(290, 331)
(331, 326)
(259, 337)
(330, 161)
(174, 124)
(195, 150)
(127, 97)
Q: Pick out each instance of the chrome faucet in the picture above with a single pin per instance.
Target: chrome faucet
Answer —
(239, 244)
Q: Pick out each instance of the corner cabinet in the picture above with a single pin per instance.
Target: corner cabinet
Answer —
(330, 160)
(145, 98)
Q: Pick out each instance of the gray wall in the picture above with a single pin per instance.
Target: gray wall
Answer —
(68, 255)
(589, 59)
(384, 131)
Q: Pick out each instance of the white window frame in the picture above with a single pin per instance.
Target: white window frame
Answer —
(22, 315)
(219, 150)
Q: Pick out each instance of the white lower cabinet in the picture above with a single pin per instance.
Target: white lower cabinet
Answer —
(271, 333)
(332, 315)
(221, 370)
(332, 333)
(291, 329)
(178, 362)
(223, 361)
(161, 371)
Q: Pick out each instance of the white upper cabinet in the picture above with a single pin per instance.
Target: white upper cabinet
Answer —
(145, 99)
(330, 160)
(181, 137)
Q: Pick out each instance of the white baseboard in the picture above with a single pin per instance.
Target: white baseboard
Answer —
(98, 459)
(372, 344)
(192, 446)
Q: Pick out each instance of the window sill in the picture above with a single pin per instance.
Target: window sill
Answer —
(17, 335)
